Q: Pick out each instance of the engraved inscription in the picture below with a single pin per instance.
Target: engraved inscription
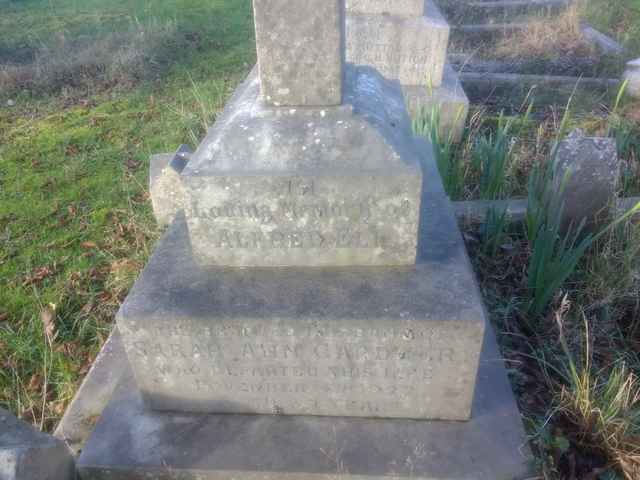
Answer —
(297, 214)
(304, 368)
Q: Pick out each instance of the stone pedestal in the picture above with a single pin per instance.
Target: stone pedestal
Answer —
(133, 442)
(296, 186)
(362, 342)
(407, 42)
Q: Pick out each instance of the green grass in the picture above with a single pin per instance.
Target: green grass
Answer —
(619, 19)
(75, 223)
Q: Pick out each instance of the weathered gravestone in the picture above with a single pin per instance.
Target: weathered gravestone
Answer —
(407, 41)
(587, 175)
(27, 454)
(313, 275)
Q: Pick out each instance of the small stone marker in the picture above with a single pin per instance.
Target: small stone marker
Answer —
(632, 76)
(299, 51)
(27, 454)
(593, 172)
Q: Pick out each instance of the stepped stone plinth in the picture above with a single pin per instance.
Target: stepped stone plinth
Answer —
(314, 284)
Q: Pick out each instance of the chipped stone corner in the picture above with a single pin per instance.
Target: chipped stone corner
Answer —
(165, 184)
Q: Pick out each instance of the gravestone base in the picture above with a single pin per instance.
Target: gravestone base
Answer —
(450, 99)
(133, 443)
(382, 342)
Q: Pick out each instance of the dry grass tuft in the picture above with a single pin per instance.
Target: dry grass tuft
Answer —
(603, 409)
(121, 58)
(549, 37)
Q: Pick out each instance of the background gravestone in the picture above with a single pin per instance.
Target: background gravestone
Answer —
(407, 41)
(590, 171)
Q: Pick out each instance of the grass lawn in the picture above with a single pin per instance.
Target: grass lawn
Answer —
(75, 223)
(90, 89)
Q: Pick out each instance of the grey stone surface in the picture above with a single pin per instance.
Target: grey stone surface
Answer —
(589, 169)
(28, 454)
(374, 342)
(409, 8)
(299, 48)
(606, 44)
(165, 186)
(92, 397)
(131, 443)
(632, 76)
(449, 99)
(307, 186)
(411, 50)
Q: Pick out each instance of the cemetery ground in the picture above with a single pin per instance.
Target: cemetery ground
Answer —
(80, 113)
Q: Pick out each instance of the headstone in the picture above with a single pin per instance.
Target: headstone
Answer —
(632, 76)
(28, 454)
(588, 173)
(314, 273)
(407, 41)
(410, 49)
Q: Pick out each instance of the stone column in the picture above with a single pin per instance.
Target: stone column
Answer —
(300, 51)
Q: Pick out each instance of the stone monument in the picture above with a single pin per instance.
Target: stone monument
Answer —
(313, 273)
(407, 41)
